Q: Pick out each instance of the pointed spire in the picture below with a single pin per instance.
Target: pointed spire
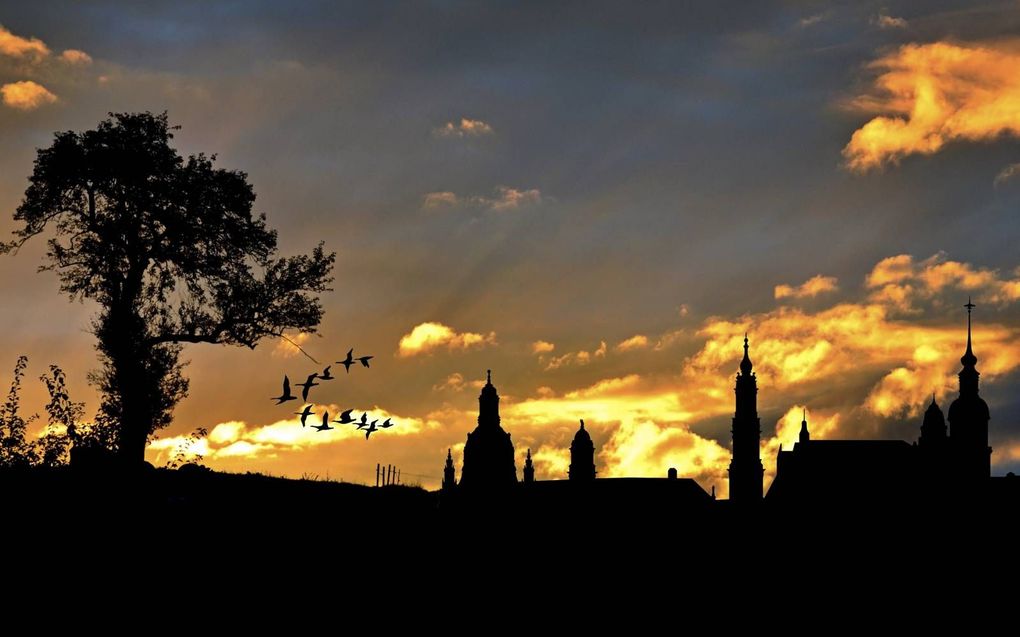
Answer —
(582, 424)
(745, 364)
(488, 377)
(969, 359)
(529, 455)
(805, 436)
(449, 455)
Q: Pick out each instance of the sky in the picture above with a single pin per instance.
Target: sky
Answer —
(594, 200)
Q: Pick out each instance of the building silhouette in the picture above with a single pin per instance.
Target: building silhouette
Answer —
(489, 451)
(746, 471)
(582, 456)
(944, 464)
(968, 421)
(449, 474)
(839, 472)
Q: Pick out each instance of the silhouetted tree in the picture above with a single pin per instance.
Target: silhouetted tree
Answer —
(64, 418)
(15, 449)
(170, 250)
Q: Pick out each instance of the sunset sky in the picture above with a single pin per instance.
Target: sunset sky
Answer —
(595, 201)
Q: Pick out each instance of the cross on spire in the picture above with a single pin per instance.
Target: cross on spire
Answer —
(969, 359)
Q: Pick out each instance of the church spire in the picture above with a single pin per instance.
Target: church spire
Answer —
(529, 469)
(449, 474)
(745, 364)
(805, 436)
(968, 359)
(746, 470)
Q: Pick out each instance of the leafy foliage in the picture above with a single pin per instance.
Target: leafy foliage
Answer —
(171, 251)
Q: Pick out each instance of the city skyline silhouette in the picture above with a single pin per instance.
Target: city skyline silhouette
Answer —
(730, 245)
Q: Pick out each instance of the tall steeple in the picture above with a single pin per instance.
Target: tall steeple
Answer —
(968, 418)
(529, 469)
(449, 473)
(746, 470)
(805, 436)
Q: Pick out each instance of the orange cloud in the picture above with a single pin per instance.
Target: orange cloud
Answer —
(931, 94)
(430, 336)
(582, 357)
(638, 341)
(26, 95)
(464, 128)
(19, 47)
(440, 199)
(76, 57)
(901, 283)
(290, 346)
(239, 439)
(456, 382)
(542, 347)
(809, 289)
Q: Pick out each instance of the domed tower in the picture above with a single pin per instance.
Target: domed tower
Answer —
(746, 470)
(449, 475)
(529, 469)
(933, 428)
(489, 452)
(968, 420)
(582, 456)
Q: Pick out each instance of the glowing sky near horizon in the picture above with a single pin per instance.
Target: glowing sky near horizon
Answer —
(596, 203)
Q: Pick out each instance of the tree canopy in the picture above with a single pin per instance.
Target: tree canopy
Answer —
(170, 249)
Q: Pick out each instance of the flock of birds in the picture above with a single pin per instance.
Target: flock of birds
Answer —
(345, 416)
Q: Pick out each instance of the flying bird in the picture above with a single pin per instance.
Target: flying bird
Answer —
(325, 423)
(364, 360)
(371, 428)
(364, 421)
(325, 375)
(345, 417)
(386, 424)
(286, 395)
(305, 413)
(347, 362)
(308, 384)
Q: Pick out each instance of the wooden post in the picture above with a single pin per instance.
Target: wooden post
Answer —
(398, 476)
(377, 474)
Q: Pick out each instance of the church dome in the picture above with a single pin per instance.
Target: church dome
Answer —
(968, 407)
(582, 435)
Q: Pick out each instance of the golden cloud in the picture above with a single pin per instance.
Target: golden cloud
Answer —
(582, 357)
(466, 127)
(456, 382)
(638, 341)
(902, 283)
(26, 95)
(809, 289)
(290, 346)
(932, 94)
(76, 57)
(542, 347)
(19, 47)
(430, 336)
(239, 439)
